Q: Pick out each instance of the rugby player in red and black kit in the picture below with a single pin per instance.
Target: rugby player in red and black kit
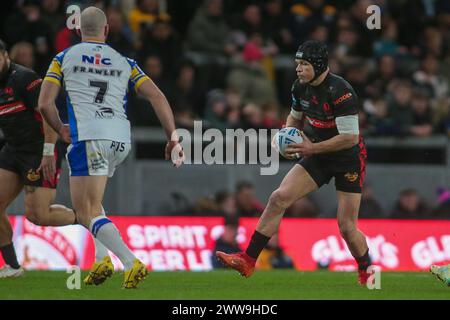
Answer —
(28, 159)
(331, 147)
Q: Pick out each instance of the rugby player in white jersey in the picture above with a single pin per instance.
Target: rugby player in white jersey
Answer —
(97, 79)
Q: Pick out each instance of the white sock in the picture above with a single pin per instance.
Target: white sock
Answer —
(106, 232)
(100, 250)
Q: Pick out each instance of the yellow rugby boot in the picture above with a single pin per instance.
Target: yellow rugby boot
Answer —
(100, 271)
(135, 275)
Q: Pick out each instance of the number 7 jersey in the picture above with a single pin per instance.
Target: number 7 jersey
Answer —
(97, 79)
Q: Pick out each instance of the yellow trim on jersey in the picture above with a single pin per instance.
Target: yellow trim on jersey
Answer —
(134, 72)
(54, 73)
(55, 67)
(140, 82)
(51, 79)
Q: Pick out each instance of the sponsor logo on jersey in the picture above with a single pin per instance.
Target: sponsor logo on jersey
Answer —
(33, 84)
(104, 113)
(12, 108)
(96, 59)
(327, 124)
(102, 72)
(351, 176)
(9, 91)
(33, 175)
(341, 99)
(304, 103)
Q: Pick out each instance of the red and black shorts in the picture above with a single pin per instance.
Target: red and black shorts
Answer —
(348, 169)
(26, 161)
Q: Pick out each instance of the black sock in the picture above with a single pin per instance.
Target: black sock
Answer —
(364, 261)
(9, 255)
(257, 244)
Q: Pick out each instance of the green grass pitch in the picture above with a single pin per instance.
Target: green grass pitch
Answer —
(229, 285)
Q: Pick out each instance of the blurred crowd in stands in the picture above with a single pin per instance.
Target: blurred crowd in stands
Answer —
(242, 202)
(230, 63)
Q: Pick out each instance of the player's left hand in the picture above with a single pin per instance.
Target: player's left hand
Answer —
(48, 167)
(174, 151)
(305, 148)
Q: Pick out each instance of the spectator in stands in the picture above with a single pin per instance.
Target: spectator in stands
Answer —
(208, 32)
(363, 122)
(379, 121)
(303, 208)
(53, 15)
(234, 105)
(370, 208)
(422, 122)
(383, 74)
(23, 53)
(144, 15)
(347, 46)
(28, 25)
(249, 77)
(365, 36)
(429, 78)
(119, 36)
(252, 116)
(204, 206)
(250, 22)
(433, 42)
(400, 107)
(441, 116)
(445, 66)
(320, 33)
(387, 44)
(140, 113)
(276, 26)
(357, 74)
(187, 90)
(246, 202)
(226, 243)
(65, 38)
(226, 205)
(184, 117)
(274, 257)
(216, 111)
(307, 15)
(153, 67)
(161, 40)
(271, 116)
(410, 206)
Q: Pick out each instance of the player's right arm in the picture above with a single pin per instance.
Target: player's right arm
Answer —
(295, 121)
(47, 107)
(295, 117)
(46, 102)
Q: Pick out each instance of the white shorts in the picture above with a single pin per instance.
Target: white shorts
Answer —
(96, 157)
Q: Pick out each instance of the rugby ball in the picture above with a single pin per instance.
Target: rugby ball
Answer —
(285, 137)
